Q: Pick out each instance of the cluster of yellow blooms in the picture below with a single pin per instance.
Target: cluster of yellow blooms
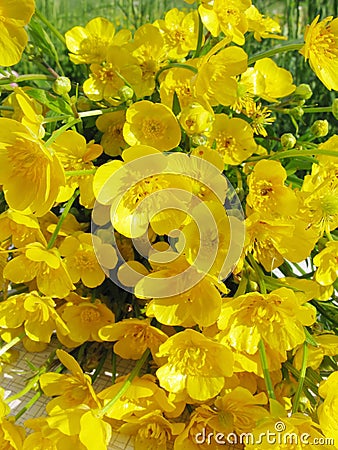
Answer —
(179, 104)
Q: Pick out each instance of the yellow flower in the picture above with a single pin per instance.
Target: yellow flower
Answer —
(267, 193)
(78, 427)
(11, 435)
(22, 229)
(327, 264)
(152, 124)
(90, 44)
(328, 411)
(218, 70)
(195, 365)
(152, 431)
(14, 15)
(133, 337)
(262, 27)
(84, 320)
(180, 32)
(142, 397)
(45, 265)
(267, 80)
(327, 345)
(277, 318)
(111, 124)
(81, 261)
(321, 49)
(195, 119)
(106, 79)
(70, 390)
(151, 52)
(74, 154)
(30, 173)
(226, 16)
(233, 138)
(260, 116)
(36, 313)
(177, 81)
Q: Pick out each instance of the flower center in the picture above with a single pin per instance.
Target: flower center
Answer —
(90, 315)
(329, 204)
(153, 129)
(27, 160)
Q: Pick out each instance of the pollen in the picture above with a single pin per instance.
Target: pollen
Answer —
(153, 128)
(90, 315)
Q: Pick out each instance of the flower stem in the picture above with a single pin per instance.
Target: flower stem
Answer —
(134, 373)
(11, 344)
(265, 367)
(172, 65)
(294, 153)
(74, 173)
(275, 51)
(318, 109)
(61, 130)
(28, 405)
(200, 37)
(29, 77)
(301, 379)
(259, 273)
(50, 26)
(61, 219)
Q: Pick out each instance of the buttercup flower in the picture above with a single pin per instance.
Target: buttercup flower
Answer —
(326, 262)
(11, 435)
(321, 49)
(262, 27)
(152, 124)
(195, 365)
(111, 124)
(14, 15)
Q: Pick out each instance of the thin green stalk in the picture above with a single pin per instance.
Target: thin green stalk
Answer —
(74, 173)
(55, 119)
(265, 367)
(308, 382)
(200, 37)
(259, 272)
(29, 77)
(301, 379)
(100, 365)
(61, 219)
(28, 405)
(275, 51)
(178, 65)
(61, 130)
(11, 344)
(113, 366)
(134, 373)
(51, 27)
(294, 153)
(319, 109)
(98, 112)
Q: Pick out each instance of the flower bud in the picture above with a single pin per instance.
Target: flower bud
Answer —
(83, 104)
(320, 128)
(125, 93)
(195, 119)
(297, 112)
(288, 140)
(335, 108)
(303, 91)
(199, 139)
(62, 85)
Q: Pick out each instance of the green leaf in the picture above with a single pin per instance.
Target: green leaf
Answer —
(41, 39)
(309, 338)
(56, 104)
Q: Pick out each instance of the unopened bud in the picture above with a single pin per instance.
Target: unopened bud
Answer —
(125, 93)
(288, 140)
(199, 139)
(62, 85)
(303, 91)
(320, 128)
(83, 104)
(297, 112)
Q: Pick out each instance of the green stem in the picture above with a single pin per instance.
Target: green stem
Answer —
(294, 153)
(265, 367)
(275, 51)
(113, 366)
(100, 365)
(50, 26)
(22, 78)
(319, 109)
(98, 112)
(28, 405)
(200, 37)
(172, 65)
(11, 344)
(259, 272)
(61, 130)
(55, 119)
(301, 379)
(134, 373)
(310, 384)
(61, 219)
(74, 173)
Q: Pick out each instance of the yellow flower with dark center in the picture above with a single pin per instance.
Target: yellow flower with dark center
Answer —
(321, 49)
(90, 44)
(142, 397)
(45, 265)
(180, 32)
(74, 154)
(133, 337)
(30, 173)
(84, 320)
(196, 365)
(267, 193)
(226, 16)
(152, 124)
(233, 139)
(111, 124)
(14, 15)
(69, 389)
(278, 318)
(106, 79)
(152, 431)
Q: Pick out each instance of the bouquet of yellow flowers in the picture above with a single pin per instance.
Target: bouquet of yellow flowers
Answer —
(167, 204)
